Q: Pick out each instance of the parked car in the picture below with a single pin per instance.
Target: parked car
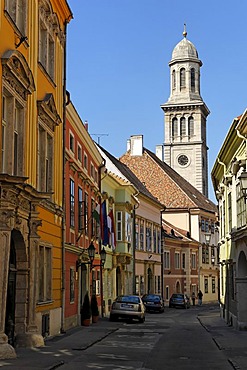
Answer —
(179, 300)
(153, 302)
(128, 307)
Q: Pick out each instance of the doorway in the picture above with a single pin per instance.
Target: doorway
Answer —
(11, 294)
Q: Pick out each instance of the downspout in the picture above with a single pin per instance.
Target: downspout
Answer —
(134, 241)
(227, 277)
(63, 187)
(100, 244)
(244, 138)
(162, 241)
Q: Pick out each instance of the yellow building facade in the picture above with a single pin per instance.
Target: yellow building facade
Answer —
(32, 70)
(227, 175)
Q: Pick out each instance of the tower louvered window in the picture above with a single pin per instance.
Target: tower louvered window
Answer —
(192, 79)
(182, 77)
(174, 127)
(191, 126)
(182, 127)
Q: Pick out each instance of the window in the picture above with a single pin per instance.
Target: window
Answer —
(192, 79)
(166, 260)
(71, 142)
(72, 285)
(148, 238)
(191, 127)
(182, 127)
(193, 261)
(72, 203)
(174, 127)
(182, 77)
(80, 208)
(229, 212)
(45, 160)
(206, 285)
(44, 274)
(49, 31)
(86, 214)
(12, 135)
(142, 236)
(119, 225)
(241, 207)
(128, 227)
(137, 235)
(79, 153)
(167, 293)
(85, 161)
(213, 284)
(183, 261)
(177, 260)
(48, 119)
(17, 10)
(142, 286)
(174, 79)
(155, 239)
(136, 285)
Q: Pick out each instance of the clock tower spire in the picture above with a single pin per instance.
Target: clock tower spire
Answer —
(185, 116)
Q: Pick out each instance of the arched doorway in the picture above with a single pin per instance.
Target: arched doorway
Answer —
(118, 281)
(178, 289)
(17, 289)
(241, 289)
(11, 295)
(150, 281)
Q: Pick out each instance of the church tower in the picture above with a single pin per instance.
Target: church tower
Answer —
(185, 117)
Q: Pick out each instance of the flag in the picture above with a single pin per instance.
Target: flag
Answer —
(104, 229)
(111, 227)
(96, 213)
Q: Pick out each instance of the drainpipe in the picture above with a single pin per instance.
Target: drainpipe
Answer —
(134, 241)
(63, 188)
(100, 244)
(162, 241)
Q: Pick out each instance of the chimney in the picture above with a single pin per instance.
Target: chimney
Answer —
(86, 125)
(128, 145)
(136, 145)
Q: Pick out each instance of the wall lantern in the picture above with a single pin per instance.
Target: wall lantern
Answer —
(243, 181)
(91, 255)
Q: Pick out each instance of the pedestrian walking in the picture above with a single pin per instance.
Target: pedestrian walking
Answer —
(200, 295)
(193, 296)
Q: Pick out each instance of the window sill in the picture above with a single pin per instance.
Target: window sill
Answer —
(45, 303)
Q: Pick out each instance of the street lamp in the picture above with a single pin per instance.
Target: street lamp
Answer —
(91, 254)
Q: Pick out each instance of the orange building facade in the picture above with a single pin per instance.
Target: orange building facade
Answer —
(32, 49)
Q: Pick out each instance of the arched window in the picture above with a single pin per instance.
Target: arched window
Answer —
(192, 79)
(182, 77)
(182, 127)
(173, 79)
(174, 127)
(191, 126)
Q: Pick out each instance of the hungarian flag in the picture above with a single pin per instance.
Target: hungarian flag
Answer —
(104, 229)
(111, 228)
(96, 213)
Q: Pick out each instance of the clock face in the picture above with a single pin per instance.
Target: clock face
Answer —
(183, 160)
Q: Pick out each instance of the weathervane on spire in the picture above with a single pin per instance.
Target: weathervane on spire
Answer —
(185, 32)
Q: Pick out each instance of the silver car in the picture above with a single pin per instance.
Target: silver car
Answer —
(129, 307)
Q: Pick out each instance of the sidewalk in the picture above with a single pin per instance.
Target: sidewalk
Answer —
(229, 340)
(58, 349)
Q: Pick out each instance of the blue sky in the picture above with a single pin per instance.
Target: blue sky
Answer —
(117, 62)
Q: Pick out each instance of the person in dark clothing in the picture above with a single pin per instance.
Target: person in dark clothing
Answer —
(200, 295)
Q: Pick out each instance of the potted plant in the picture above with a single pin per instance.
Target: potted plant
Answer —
(95, 309)
(86, 311)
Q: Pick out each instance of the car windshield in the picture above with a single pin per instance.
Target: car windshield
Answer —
(128, 298)
(177, 296)
(151, 297)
